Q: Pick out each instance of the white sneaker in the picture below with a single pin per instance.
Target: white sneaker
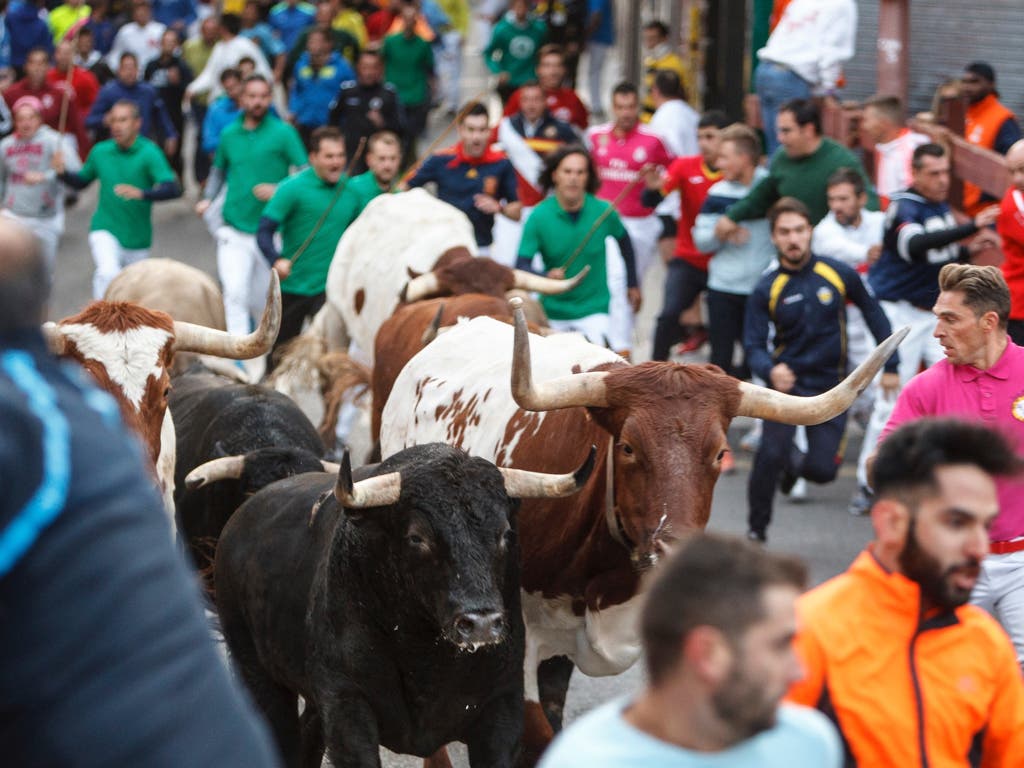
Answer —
(799, 491)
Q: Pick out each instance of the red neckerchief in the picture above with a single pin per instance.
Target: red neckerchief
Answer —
(489, 156)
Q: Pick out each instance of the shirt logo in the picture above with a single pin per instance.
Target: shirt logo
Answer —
(471, 173)
(825, 295)
(1018, 408)
(640, 154)
(697, 179)
(793, 299)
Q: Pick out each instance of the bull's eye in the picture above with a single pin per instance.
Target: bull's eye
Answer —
(721, 455)
(627, 449)
(416, 540)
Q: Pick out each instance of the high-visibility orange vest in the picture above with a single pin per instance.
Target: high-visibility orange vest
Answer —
(981, 127)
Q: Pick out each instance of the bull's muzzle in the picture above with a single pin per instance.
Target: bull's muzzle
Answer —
(474, 629)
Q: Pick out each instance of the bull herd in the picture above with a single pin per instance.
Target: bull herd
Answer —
(530, 484)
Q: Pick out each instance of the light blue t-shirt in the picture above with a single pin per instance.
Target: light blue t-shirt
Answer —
(801, 738)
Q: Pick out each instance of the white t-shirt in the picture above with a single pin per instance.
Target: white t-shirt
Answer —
(801, 738)
(814, 38)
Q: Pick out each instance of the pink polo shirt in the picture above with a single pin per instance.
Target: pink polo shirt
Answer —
(619, 160)
(995, 397)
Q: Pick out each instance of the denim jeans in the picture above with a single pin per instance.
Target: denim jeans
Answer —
(775, 85)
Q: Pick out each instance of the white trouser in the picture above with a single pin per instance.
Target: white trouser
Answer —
(596, 53)
(1000, 591)
(507, 234)
(620, 314)
(644, 232)
(244, 277)
(450, 68)
(47, 229)
(919, 347)
(595, 327)
(214, 215)
(110, 258)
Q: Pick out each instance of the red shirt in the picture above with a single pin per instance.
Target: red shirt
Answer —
(1010, 225)
(83, 83)
(378, 23)
(692, 177)
(563, 103)
(51, 96)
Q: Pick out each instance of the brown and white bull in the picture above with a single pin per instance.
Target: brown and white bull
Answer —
(128, 350)
(661, 432)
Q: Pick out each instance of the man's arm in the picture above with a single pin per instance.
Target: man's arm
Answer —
(1008, 135)
(830, 240)
(757, 202)
(265, 239)
(874, 315)
(755, 334)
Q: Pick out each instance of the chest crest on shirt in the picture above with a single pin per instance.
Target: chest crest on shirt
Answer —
(640, 154)
(471, 173)
(825, 295)
(1017, 409)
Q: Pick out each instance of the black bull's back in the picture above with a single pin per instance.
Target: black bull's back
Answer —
(308, 609)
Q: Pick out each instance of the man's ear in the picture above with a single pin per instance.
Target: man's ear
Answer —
(989, 321)
(708, 653)
(891, 520)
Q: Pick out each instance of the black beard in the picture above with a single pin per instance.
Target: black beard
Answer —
(920, 567)
(740, 704)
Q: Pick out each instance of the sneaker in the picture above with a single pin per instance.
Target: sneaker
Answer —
(798, 493)
(757, 536)
(861, 501)
(695, 341)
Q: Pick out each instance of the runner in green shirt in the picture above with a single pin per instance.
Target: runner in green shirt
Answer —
(255, 153)
(132, 172)
(409, 67)
(304, 209)
(512, 51)
(383, 154)
(569, 219)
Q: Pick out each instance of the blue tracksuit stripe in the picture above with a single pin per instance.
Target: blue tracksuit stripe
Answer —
(46, 503)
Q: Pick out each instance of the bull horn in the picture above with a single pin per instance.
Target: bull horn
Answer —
(55, 339)
(422, 287)
(549, 286)
(380, 491)
(189, 337)
(579, 389)
(330, 466)
(435, 325)
(764, 403)
(520, 484)
(224, 468)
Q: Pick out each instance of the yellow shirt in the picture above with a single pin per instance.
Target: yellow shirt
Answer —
(351, 21)
(652, 65)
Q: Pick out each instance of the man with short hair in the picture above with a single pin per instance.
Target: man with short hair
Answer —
(803, 58)
(84, 83)
(477, 180)
(383, 155)
(127, 87)
(562, 101)
(800, 169)
(304, 209)
(227, 53)
(989, 123)
(921, 236)
(51, 97)
(882, 123)
(717, 629)
(133, 173)
(1010, 226)
(139, 37)
(365, 105)
(132, 676)
(909, 673)
(795, 340)
(255, 154)
(316, 79)
(660, 57)
(511, 53)
(526, 137)
(687, 271)
(621, 150)
(979, 380)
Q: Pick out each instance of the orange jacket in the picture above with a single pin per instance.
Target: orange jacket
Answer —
(904, 690)
(981, 127)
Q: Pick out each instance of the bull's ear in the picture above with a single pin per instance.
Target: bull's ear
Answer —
(219, 450)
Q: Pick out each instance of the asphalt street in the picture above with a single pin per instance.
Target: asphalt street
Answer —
(820, 530)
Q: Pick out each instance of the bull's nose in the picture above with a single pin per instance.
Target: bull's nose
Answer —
(476, 627)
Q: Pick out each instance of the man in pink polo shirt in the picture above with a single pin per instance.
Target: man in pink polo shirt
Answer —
(620, 149)
(982, 379)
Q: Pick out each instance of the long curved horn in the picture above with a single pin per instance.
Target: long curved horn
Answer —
(422, 287)
(189, 337)
(764, 403)
(224, 468)
(435, 325)
(520, 484)
(549, 286)
(585, 389)
(379, 491)
(55, 339)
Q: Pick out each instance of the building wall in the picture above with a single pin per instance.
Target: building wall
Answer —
(946, 35)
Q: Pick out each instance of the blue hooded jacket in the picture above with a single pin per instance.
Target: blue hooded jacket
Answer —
(26, 31)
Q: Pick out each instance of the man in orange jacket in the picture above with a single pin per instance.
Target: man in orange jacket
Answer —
(989, 123)
(911, 674)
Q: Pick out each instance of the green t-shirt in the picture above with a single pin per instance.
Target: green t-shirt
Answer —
(358, 193)
(408, 65)
(514, 48)
(142, 165)
(552, 233)
(262, 155)
(297, 205)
